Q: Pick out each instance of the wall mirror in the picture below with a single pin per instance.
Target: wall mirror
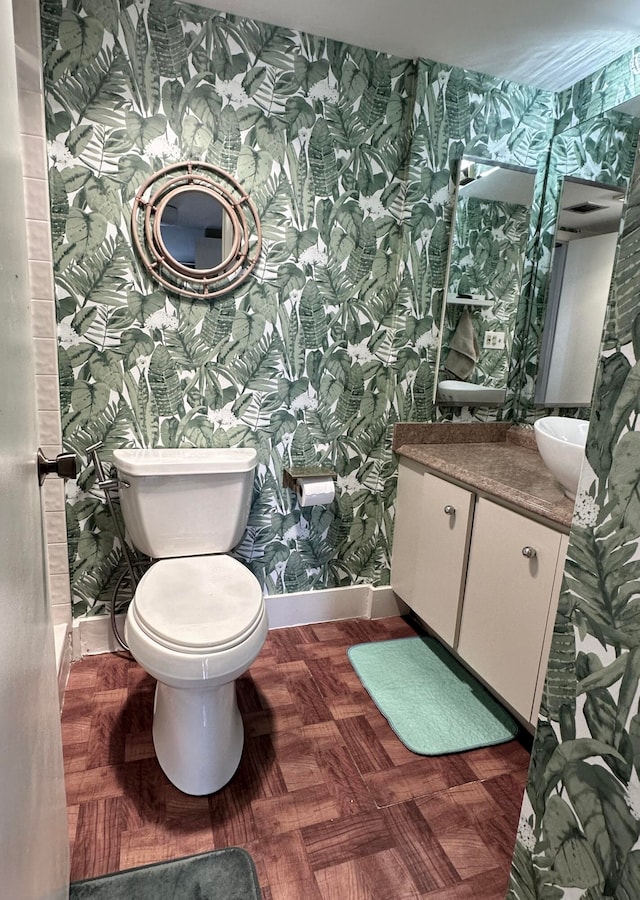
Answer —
(581, 272)
(589, 172)
(490, 233)
(196, 230)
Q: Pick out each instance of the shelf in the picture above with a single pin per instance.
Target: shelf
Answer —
(458, 404)
(472, 300)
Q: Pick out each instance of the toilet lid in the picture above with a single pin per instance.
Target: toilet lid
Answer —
(198, 602)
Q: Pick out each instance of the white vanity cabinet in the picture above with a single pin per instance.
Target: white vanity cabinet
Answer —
(485, 579)
(430, 545)
(510, 599)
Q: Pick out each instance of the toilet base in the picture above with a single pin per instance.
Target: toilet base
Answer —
(198, 736)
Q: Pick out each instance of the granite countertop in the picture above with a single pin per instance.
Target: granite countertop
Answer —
(499, 460)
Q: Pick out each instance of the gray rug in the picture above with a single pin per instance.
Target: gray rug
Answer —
(227, 874)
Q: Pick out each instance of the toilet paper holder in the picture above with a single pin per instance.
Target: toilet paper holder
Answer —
(290, 476)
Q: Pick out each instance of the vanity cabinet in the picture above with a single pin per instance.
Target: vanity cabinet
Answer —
(510, 599)
(484, 578)
(430, 546)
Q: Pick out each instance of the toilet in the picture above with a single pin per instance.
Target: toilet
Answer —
(198, 619)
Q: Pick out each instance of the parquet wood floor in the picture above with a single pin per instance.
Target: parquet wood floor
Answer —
(327, 800)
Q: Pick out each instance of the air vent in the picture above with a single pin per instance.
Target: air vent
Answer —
(584, 208)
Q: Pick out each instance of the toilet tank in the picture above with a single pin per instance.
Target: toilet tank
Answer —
(185, 502)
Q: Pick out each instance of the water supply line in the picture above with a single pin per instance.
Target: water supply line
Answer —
(108, 485)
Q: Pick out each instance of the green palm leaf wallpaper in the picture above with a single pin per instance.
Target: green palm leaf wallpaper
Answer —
(503, 122)
(348, 155)
(579, 833)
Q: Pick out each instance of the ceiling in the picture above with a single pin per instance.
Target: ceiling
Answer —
(503, 184)
(549, 44)
(601, 217)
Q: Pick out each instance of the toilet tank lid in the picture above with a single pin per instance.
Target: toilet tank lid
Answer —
(185, 460)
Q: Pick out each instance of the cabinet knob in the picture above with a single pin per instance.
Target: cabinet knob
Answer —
(450, 510)
(529, 552)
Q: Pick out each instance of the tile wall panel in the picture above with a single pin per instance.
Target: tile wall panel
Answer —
(31, 103)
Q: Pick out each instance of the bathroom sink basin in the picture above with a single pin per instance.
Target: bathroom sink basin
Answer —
(561, 442)
(463, 392)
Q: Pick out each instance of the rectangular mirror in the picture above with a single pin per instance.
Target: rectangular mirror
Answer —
(582, 268)
(490, 232)
(587, 180)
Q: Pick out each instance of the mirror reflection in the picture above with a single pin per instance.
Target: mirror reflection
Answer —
(195, 229)
(590, 166)
(489, 238)
(582, 268)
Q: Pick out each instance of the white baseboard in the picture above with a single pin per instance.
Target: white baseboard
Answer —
(308, 607)
(62, 640)
(92, 635)
(383, 602)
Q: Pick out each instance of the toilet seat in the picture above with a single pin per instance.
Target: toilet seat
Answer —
(198, 604)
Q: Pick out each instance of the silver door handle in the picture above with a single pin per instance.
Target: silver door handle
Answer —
(450, 510)
(529, 552)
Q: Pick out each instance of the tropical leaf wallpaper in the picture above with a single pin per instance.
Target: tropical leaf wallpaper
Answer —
(460, 113)
(598, 93)
(580, 823)
(487, 258)
(348, 155)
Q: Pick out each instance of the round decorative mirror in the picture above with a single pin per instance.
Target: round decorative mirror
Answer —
(196, 230)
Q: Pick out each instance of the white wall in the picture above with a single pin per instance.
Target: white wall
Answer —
(34, 850)
(34, 161)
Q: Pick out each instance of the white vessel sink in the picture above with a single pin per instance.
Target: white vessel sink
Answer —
(561, 442)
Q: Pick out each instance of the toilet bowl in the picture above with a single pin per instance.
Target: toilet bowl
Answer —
(196, 622)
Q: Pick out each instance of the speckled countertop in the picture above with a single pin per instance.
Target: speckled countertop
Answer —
(496, 459)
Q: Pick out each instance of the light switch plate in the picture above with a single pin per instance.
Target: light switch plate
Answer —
(493, 340)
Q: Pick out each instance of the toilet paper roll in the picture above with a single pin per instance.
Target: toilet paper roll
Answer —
(314, 491)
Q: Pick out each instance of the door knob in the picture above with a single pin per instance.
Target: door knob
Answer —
(529, 552)
(65, 465)
(450, 510)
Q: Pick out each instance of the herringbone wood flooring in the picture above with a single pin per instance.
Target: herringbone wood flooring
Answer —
(327, 800)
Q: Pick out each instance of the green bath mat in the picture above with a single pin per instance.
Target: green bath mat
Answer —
(227, 874)
(432, 703)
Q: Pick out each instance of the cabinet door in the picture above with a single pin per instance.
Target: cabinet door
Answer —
(430, 542)
(406, 529)
(551, 621)
(506, 601)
